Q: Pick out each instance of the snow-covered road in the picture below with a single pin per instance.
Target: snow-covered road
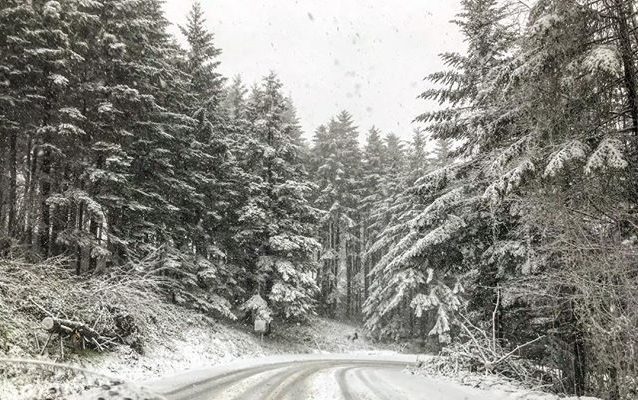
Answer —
(374, 377)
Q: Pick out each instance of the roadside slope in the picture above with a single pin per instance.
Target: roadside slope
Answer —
(152, 337)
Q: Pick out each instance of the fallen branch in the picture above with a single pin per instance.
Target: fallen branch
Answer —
(476, 342)
(40, 307)
(46, 344)
(84, 333)
(58, 325)
(506, 356)
(480, 352)
(495, 314)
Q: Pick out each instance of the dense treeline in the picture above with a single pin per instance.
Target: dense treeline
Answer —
(118, 144)
(511, 215)
(355, 189)
(529, 235)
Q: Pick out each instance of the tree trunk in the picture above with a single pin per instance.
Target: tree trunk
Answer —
(93, 228)
(411, 317)
(78, 251)
(30, 207)
(45, 191)
(366, 265)
(348, 282)
(614, 390)
(58, 325)
(626, 53)
(2, 184)
(579, 366)
(13, 165)
(341, 266)
(55, 213)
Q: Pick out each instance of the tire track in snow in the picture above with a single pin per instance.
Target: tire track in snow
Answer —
(219, 385)
(379, 393)
(288, 385)
(207, 387)
(343, 385)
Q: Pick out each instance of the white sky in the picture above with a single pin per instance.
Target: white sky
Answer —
(365, 56)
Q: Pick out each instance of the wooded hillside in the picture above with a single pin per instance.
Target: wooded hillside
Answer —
(504, 231)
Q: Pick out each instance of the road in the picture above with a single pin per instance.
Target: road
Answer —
(318, 378)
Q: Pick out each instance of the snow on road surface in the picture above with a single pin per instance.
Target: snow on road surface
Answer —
(317, 377)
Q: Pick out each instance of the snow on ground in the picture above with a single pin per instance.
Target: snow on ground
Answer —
(171, 338)
(498, 387)
(359, 375)
(172, 345)
(204, 343)
(193, 342)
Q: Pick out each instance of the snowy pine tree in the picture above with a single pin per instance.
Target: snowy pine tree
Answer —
(336, 171)
(278, 219)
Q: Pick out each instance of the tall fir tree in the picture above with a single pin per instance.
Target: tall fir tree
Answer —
(337, 172)
(278, 219)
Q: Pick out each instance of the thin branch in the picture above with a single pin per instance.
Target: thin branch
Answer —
(506, 356)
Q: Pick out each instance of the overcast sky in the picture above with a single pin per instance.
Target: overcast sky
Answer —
(365, 56)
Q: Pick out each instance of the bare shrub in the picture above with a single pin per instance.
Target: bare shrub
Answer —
(478, 352)
(590, 287)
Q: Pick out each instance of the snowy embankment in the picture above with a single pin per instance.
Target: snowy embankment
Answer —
(159, 339)
(190, 342)
(497, 386)
(147, 337)
(204, 343)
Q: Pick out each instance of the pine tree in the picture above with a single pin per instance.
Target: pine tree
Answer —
(461, 87)
(206, 84)
(337, 172)
(435, 228)
(278, 219)
(209, 145)
(417, 157)
(570, 151)
(235, 99)
(16, 110)
(373, 192)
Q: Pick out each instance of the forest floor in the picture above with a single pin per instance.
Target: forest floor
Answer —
(167, 339)
(202, 342)
(162, 339)
(190, 342)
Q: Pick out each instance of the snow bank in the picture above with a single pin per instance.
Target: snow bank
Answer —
(176, 340)
(497, 386)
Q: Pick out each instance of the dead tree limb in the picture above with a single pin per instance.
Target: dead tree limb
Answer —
(81, 332)
(58, 325)
(506, 356)
(495, 314)
(46, 344)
